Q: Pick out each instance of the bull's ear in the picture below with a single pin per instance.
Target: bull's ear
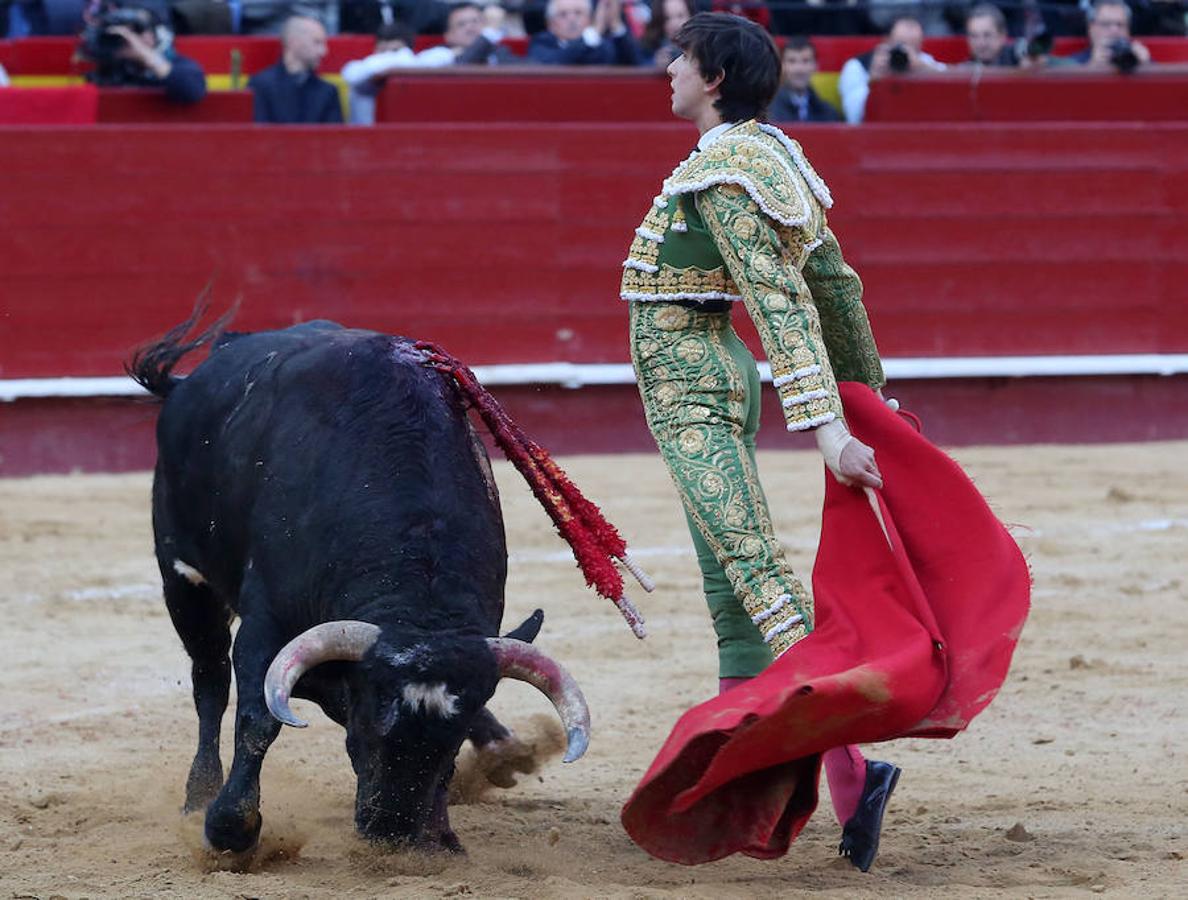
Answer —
(529, 628)
(389, 719)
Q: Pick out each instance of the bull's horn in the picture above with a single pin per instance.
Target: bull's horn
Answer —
(346, 640)
(524, 662)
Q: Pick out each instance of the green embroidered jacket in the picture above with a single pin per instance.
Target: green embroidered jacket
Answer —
(744, 219)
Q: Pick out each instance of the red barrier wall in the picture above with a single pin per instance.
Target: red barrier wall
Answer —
(592, 94)
(504, 243)
(53, 55)
(1068, 95)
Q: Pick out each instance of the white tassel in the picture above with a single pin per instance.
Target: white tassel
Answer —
(797, 399)
(640, 266)
(812, 423)
(796, 375)
(680, 295)
(782, 627)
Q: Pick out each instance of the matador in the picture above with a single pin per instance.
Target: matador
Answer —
(743, 221)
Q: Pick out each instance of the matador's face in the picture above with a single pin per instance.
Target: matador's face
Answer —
(690, 92)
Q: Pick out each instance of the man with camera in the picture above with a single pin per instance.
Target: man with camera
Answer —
(132, 48)
(900, 53)
(1110, 45)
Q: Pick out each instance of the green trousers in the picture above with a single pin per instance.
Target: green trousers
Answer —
(701, 394)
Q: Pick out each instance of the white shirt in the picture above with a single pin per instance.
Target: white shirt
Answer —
(713, 134)
(854, 85)
(359, 75)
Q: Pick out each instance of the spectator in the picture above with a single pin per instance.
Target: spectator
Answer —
(1109, 40)
(900, 53)
(1166, 17)
(290, 92)
(821, 17)
(796, 101)
(366, 77)
(143, 55)
(573, 39)
(667, 18)
(367, 16)
(471, 37)
(928, 14)
(755, 10)
(986, 32)
(271, 16)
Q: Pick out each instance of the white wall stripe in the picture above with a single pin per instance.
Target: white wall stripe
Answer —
(575, 375)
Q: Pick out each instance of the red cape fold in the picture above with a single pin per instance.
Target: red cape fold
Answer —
(913, 638)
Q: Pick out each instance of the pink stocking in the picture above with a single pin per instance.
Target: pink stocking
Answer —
(845, 767)
(726, 684)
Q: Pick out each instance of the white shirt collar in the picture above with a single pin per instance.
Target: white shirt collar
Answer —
(713, 134)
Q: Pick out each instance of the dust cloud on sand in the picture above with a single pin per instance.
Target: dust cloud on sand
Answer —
(1074, 782)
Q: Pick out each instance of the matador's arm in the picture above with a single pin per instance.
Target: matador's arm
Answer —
(779, 303)
(837, 293)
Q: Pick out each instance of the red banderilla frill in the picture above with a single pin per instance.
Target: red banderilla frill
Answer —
(594, 540)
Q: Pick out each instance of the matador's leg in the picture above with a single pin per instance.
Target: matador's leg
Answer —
(700, 391)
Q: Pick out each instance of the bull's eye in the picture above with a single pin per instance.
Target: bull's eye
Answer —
(434, 699)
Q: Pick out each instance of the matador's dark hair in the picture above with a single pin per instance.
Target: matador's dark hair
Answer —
(743, 53)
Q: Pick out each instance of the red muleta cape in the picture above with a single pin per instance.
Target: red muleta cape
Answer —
(912, 639)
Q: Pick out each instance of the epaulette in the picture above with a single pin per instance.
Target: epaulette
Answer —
(763, 161)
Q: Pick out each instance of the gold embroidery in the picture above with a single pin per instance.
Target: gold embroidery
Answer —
(678, 281)
(701, 442)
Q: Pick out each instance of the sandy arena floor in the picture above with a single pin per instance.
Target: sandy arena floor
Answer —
(1075, 781)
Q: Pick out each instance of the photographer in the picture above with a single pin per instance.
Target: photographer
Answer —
(1110, 45)
(131, 48)
(899, 54)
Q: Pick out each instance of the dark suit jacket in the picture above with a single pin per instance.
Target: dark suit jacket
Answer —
(785, 109)
(281, 98)
(484, 52)
(613, 51)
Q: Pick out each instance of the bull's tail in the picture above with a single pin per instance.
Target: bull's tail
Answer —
(152, 364)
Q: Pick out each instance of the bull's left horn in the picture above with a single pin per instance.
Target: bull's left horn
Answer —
(524, 662)
(345, 640)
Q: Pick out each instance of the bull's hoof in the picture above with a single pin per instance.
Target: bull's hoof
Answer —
(231, 831)
(202, 787)
(448, 841)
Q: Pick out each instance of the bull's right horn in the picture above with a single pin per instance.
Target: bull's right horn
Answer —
(524, 662)
(346, 640)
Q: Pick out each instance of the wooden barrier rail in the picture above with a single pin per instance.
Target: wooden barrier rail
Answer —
(1158, 94)
(504, 242)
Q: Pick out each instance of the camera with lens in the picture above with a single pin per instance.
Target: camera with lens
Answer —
(99, 45)
(899, 59)
(1122, 56)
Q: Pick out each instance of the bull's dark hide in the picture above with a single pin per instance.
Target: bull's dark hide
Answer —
(314, 475)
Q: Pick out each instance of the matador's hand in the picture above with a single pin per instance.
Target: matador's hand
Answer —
(857, 465)
(851, 461)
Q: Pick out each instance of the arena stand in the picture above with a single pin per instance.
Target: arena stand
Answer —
(1025, 279)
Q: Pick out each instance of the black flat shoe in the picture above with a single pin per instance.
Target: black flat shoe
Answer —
(860, 834)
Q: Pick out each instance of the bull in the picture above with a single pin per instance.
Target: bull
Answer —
(325, 486)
